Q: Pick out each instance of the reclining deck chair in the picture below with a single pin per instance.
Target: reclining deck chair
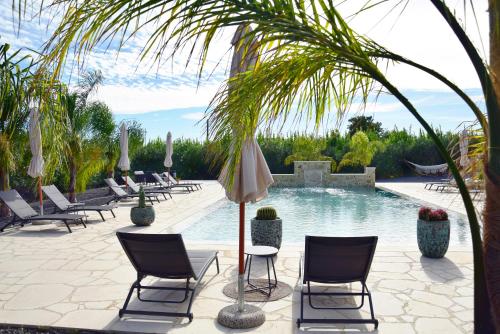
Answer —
(64, 205)
(336, 260)
(166, 185)
(119, 193)
(174, 182)
(164, 256)
(24, 213)
(152, 190)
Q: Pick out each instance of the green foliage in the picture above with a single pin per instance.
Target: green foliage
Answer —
(266, 213)
(276, 149)
(21, 90)
(365, 124)
(142, 198)
(192, 159)
(307, 148)
(361, 151)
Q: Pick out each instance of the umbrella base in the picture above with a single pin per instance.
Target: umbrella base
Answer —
(250, 317)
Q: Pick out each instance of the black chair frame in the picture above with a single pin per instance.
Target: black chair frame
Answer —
(364, 292)
(309, 294)
(22, 222)
(187, 289)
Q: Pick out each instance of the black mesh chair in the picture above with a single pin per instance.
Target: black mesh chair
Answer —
(150, 190)
(119, 193)
(336, 260)
(164, 256)
(63, 205)
(24, 213)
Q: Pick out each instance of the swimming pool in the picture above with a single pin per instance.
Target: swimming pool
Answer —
(329, 212)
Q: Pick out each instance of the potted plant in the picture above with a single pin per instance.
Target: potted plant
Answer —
(433, 232)
(266, 228)
(142, 215)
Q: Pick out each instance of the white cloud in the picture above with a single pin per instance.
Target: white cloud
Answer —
(193, 116)
(124, 99)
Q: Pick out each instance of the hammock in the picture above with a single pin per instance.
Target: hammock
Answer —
(428, 170)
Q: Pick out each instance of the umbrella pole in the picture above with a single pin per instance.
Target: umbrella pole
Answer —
(40, 194)
(126, 179)
(241, 267)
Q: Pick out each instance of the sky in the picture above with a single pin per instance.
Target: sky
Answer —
(171, 96)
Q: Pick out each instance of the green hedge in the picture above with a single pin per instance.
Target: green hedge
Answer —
(193, 161)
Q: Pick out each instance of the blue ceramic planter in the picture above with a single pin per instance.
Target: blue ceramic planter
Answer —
(433, 237)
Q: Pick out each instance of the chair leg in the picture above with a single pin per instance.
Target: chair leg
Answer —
(124, 308)
(372, 313)
(299, 320)
(112, 213)
(102, 217)
(67, 226)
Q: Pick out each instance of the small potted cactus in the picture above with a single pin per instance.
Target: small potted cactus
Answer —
(266, 228)
(433, 232)
(142, 215)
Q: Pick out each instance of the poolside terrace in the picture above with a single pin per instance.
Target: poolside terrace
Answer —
(49, 277)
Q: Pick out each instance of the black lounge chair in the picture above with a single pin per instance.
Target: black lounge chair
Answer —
(172, 181)
(164, 256)
(119, 193)
(23, 212)
(335, 260)
(63, 205)
(152, 190)
(166, 185)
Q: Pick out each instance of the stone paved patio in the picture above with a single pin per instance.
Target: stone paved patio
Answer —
(80, 280)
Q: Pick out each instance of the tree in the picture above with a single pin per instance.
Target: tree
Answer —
(308, 148)
(361, 151)
(20, 90)
(365, 124)
(82, 154)
(313, 60)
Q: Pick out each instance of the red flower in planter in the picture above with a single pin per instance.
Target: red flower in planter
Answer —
(426, 213)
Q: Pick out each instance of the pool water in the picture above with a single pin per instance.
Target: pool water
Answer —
(327, 212)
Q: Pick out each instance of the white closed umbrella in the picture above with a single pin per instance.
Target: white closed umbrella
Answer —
(464, 149)
(35, 169)
(251, 176)
(169, 150)
(124, 162)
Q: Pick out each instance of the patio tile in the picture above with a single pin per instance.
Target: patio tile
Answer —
(37, 296)
(433, 325)
(90, 319)
(29, 317)
(426, 310)
(99, 293)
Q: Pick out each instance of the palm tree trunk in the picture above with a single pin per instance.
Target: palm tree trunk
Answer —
(4, 185)
(72, 182)
(491, 214)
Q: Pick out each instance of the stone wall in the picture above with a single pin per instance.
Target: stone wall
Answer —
(318, 174)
